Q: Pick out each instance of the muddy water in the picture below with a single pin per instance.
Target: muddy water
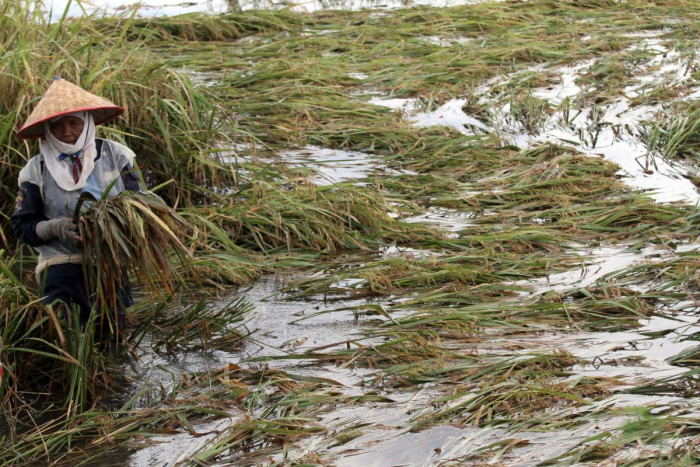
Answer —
(174, 449)
(447, 443)
(278, 326)
(328, 166)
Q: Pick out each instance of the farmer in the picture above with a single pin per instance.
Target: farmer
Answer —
(71, 161)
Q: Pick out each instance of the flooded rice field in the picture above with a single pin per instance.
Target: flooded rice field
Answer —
(475, 232)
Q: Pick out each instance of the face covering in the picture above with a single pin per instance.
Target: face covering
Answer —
(64, 160)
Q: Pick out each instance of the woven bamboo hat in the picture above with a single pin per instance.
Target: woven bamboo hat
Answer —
(62, 98)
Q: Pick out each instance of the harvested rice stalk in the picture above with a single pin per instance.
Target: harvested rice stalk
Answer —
(134, 232)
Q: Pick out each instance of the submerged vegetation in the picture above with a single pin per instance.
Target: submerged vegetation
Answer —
(531, 313)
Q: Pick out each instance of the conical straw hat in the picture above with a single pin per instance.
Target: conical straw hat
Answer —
(63, 98)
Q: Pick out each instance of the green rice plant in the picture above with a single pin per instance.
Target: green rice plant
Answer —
(26, 331)
(413, 352)
(496, 403)
(510, 388)
(435, 279)
(656, 95)
(666, 438)
(530, 112)
(611, 314)
(300, 216)
(282, 409)
(688, 358)
(12, 290)
(464, 157)
(674, 136)
(86, 373)
(221, 270)
(674, 278)
(306, 79)
(229, 392)
(112, 429)
(316, 109)
(521, 85)
(217, 259)
(323, 65)
(686, 385)
(608, 76)
(202, 27)
(255, 440)
(48, 364)
(495, 240)
(549, 186)
(443, 311)
(580, 196)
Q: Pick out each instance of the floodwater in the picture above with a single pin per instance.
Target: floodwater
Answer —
(280, 326)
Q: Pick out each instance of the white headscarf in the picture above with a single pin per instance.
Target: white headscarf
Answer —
(61, 170)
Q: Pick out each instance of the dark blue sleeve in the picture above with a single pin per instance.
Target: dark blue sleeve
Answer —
(29, 211)
(130, 177)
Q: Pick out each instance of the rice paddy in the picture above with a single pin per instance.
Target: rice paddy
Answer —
(424, 235)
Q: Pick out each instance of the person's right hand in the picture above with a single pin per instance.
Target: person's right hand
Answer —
(65, 229)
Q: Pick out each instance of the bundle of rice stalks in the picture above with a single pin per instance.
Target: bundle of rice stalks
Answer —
(134, 232)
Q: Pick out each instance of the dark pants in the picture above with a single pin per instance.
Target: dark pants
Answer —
(65, 283)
